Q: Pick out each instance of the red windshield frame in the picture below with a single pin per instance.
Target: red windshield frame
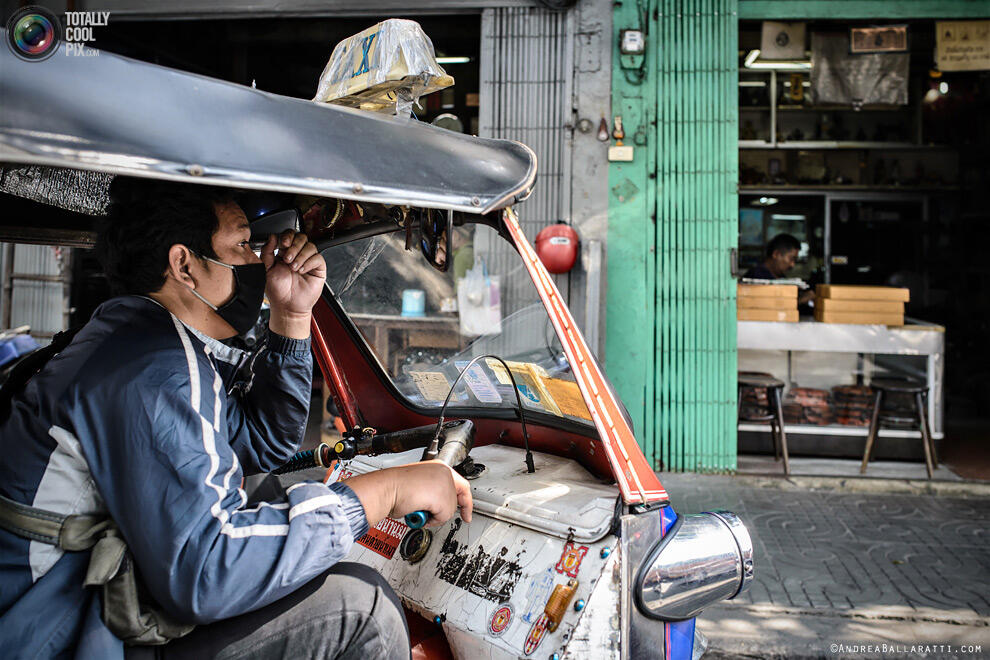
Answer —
(637, 481)
(364, 398)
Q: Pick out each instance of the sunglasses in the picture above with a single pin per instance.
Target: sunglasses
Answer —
(434, 236)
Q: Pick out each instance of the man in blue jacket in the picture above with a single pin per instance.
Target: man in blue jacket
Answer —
(139, 418)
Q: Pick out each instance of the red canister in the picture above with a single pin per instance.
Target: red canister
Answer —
(557, 247)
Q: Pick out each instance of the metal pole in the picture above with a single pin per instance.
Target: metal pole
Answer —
(772, 96)
(8, 285)
(828, 239)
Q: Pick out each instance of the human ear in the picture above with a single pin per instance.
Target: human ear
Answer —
(179, 261)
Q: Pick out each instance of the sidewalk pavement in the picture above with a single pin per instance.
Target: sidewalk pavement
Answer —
(843, 564)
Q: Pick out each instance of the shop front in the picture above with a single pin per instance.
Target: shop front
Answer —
(864, 142)
(857, 128)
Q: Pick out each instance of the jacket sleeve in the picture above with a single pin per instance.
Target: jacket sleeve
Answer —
(267, 427)
(160, 453)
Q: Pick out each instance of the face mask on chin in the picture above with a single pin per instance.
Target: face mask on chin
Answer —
(241, 311)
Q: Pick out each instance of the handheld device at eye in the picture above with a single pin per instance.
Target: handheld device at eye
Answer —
(273, 223)
(269, 213)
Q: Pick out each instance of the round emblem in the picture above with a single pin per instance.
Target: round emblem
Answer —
(33, 33)
(500, 620)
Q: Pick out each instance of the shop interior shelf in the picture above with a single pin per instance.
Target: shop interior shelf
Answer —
(811, 187)
(826, 108)
(835, 144)
(837, 429)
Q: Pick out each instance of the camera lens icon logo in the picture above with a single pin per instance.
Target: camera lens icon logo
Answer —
(33, 33)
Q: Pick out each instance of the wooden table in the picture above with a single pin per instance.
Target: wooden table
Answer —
(389, 333)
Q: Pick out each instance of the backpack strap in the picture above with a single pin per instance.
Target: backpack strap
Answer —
(72, 533)
(25, 368)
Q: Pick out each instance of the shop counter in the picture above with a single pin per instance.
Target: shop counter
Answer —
(822, 356)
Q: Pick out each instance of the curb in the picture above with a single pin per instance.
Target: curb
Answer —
(867, 485)
(961, 489)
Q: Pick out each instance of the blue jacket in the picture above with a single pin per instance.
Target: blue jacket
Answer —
(134, 418)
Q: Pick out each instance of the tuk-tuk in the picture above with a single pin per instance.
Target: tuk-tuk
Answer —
(439, 333)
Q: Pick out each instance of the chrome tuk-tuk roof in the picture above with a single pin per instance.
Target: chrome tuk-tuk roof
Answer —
(113, 114)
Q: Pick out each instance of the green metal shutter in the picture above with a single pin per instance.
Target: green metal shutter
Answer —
(526, 86)
(680, 275)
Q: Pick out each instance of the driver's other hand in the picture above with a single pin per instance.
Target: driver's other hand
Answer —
(296, 275)
(434, 487)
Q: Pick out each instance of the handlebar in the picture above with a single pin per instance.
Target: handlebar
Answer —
(363, 442)
(454, 444)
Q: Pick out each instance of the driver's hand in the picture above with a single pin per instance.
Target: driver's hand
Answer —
(295, 276)
(428, 486)
(434, 487)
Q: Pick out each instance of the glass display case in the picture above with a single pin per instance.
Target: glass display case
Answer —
(827, 370)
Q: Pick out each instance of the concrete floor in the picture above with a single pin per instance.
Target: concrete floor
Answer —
(842, 571)
(842, 467)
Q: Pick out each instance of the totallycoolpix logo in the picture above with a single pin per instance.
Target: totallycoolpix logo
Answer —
(33, 33)
(79, 31)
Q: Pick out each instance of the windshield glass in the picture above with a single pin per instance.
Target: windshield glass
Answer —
(425, 326)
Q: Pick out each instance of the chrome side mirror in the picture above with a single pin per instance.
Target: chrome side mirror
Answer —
(703, 559)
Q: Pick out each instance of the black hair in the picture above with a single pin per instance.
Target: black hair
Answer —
(145, 219)
(782, 243)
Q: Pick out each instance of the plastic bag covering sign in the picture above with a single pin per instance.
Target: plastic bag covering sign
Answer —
(382, 69)
(857, 79)
(384, 537)
(962, 45)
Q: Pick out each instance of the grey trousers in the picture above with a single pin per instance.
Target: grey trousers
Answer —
(350, 612)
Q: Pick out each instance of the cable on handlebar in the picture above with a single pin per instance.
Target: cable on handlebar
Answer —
(434, 446)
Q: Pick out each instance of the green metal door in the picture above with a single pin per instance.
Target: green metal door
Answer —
(671, 317)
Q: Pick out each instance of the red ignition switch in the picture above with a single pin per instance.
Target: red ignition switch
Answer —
(557, 247)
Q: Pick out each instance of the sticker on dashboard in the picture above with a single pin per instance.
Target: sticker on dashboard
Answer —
(384, 537)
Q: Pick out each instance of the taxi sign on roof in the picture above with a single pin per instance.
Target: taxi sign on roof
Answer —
(383, 69)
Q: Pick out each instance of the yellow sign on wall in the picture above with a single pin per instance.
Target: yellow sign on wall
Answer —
(962, 45)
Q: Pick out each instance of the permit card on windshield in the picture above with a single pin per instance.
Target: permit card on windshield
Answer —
(528, 379)
(567, 396)
(481, 386)
(500, 373)
(433, 385)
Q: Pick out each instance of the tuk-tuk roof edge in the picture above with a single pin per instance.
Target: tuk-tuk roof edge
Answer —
(123, 116)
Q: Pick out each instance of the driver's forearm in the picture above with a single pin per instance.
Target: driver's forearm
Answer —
(290, 324)
(377, 493)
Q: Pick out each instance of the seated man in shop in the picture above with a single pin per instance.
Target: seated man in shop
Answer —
(138, 421)
(782, 254)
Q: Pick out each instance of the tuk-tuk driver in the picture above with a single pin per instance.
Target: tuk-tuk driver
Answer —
(137, 419)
